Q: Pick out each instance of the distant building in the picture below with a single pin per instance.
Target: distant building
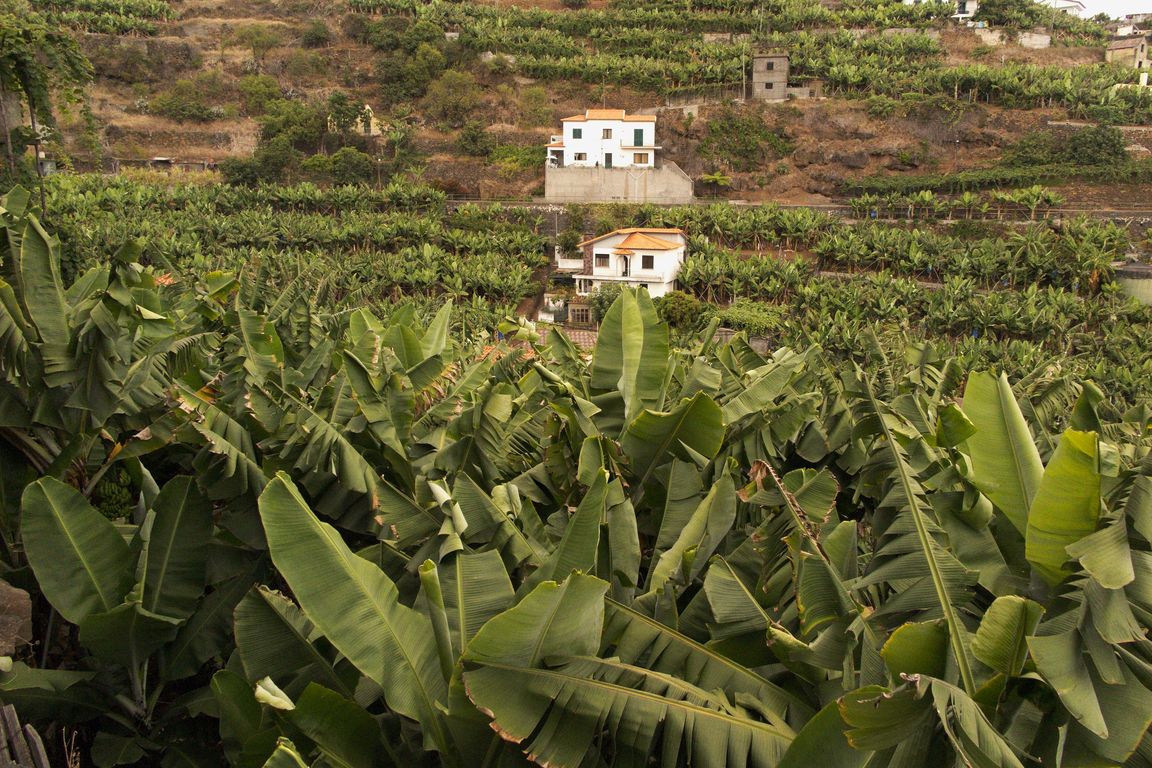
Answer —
(1130, 51)
(367, 125)
(769, 80)
(605, 138)
(635, 257)
(608, 155)
(1073, 7)
(770, 76)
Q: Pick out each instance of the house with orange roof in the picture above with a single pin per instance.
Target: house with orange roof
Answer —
(636, 256)
(605, 138)
(608, 155)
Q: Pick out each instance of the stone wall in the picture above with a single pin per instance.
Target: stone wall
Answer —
(1035, 40)
(665, 184)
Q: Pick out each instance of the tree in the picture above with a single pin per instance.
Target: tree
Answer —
(257, 92)
(404, 76)
(474, 140)
(452, 97)
(316, 35)
(344, 113)
(535, 106)
(351, 166)
(259, 38)
(39, 63)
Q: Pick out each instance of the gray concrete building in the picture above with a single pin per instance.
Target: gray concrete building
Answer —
(770, 76)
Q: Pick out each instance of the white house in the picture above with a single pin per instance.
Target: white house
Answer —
(605, 138)
(1074, 7)
(636, 256)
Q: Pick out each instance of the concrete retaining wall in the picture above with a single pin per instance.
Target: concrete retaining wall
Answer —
(1033, 40)
(666, 184)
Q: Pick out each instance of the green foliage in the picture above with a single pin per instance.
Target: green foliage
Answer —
(257, 92)
(351, 166)
(258, 38)
(535, 107)
(1026, 15)
(184, 102)
(452, 98)
(544, 557)
(742, 139)
(603, 298)
(1096, 145)
(518, 157)
(316, 35)
(474, 141)
(344, 112)
(681, 311)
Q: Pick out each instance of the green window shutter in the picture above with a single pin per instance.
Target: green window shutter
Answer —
(577, 133)
(637, 137)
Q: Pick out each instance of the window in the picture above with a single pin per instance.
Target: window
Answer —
(579, 315)
(647, 261)
(769, 66)
(768, 86)
(640, 158)
(577, 133)
(607, 133)
(637, 137)
(580, 156)
(602, 260)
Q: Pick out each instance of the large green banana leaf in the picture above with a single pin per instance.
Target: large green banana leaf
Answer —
(1066, 507)
(357, 607)
(176, 535)
(631, 355)
(1005, 463)
(556, 713)
(81, 561)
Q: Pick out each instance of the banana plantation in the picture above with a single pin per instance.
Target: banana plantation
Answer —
(256, 530)
(1019, 297)
(664, 50)
(110, 17)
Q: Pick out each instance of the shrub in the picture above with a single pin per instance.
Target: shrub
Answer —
(602, 298)
(183, 102)
(755, 318)
(351, 166)
(515, 157)
(259, 38)
(474, 141)
(256, 92)
(452, 97)
(1096, 145)
(682, 311)
(535, 107)
(880, 106)
(404, 76)
(740, 139)
(316, 35)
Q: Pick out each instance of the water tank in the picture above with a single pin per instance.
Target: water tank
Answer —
(1135, 279)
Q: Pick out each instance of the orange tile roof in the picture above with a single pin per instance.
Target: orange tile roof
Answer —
(610, 114)
(641, 237)
(648, 243)
(556, 144)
